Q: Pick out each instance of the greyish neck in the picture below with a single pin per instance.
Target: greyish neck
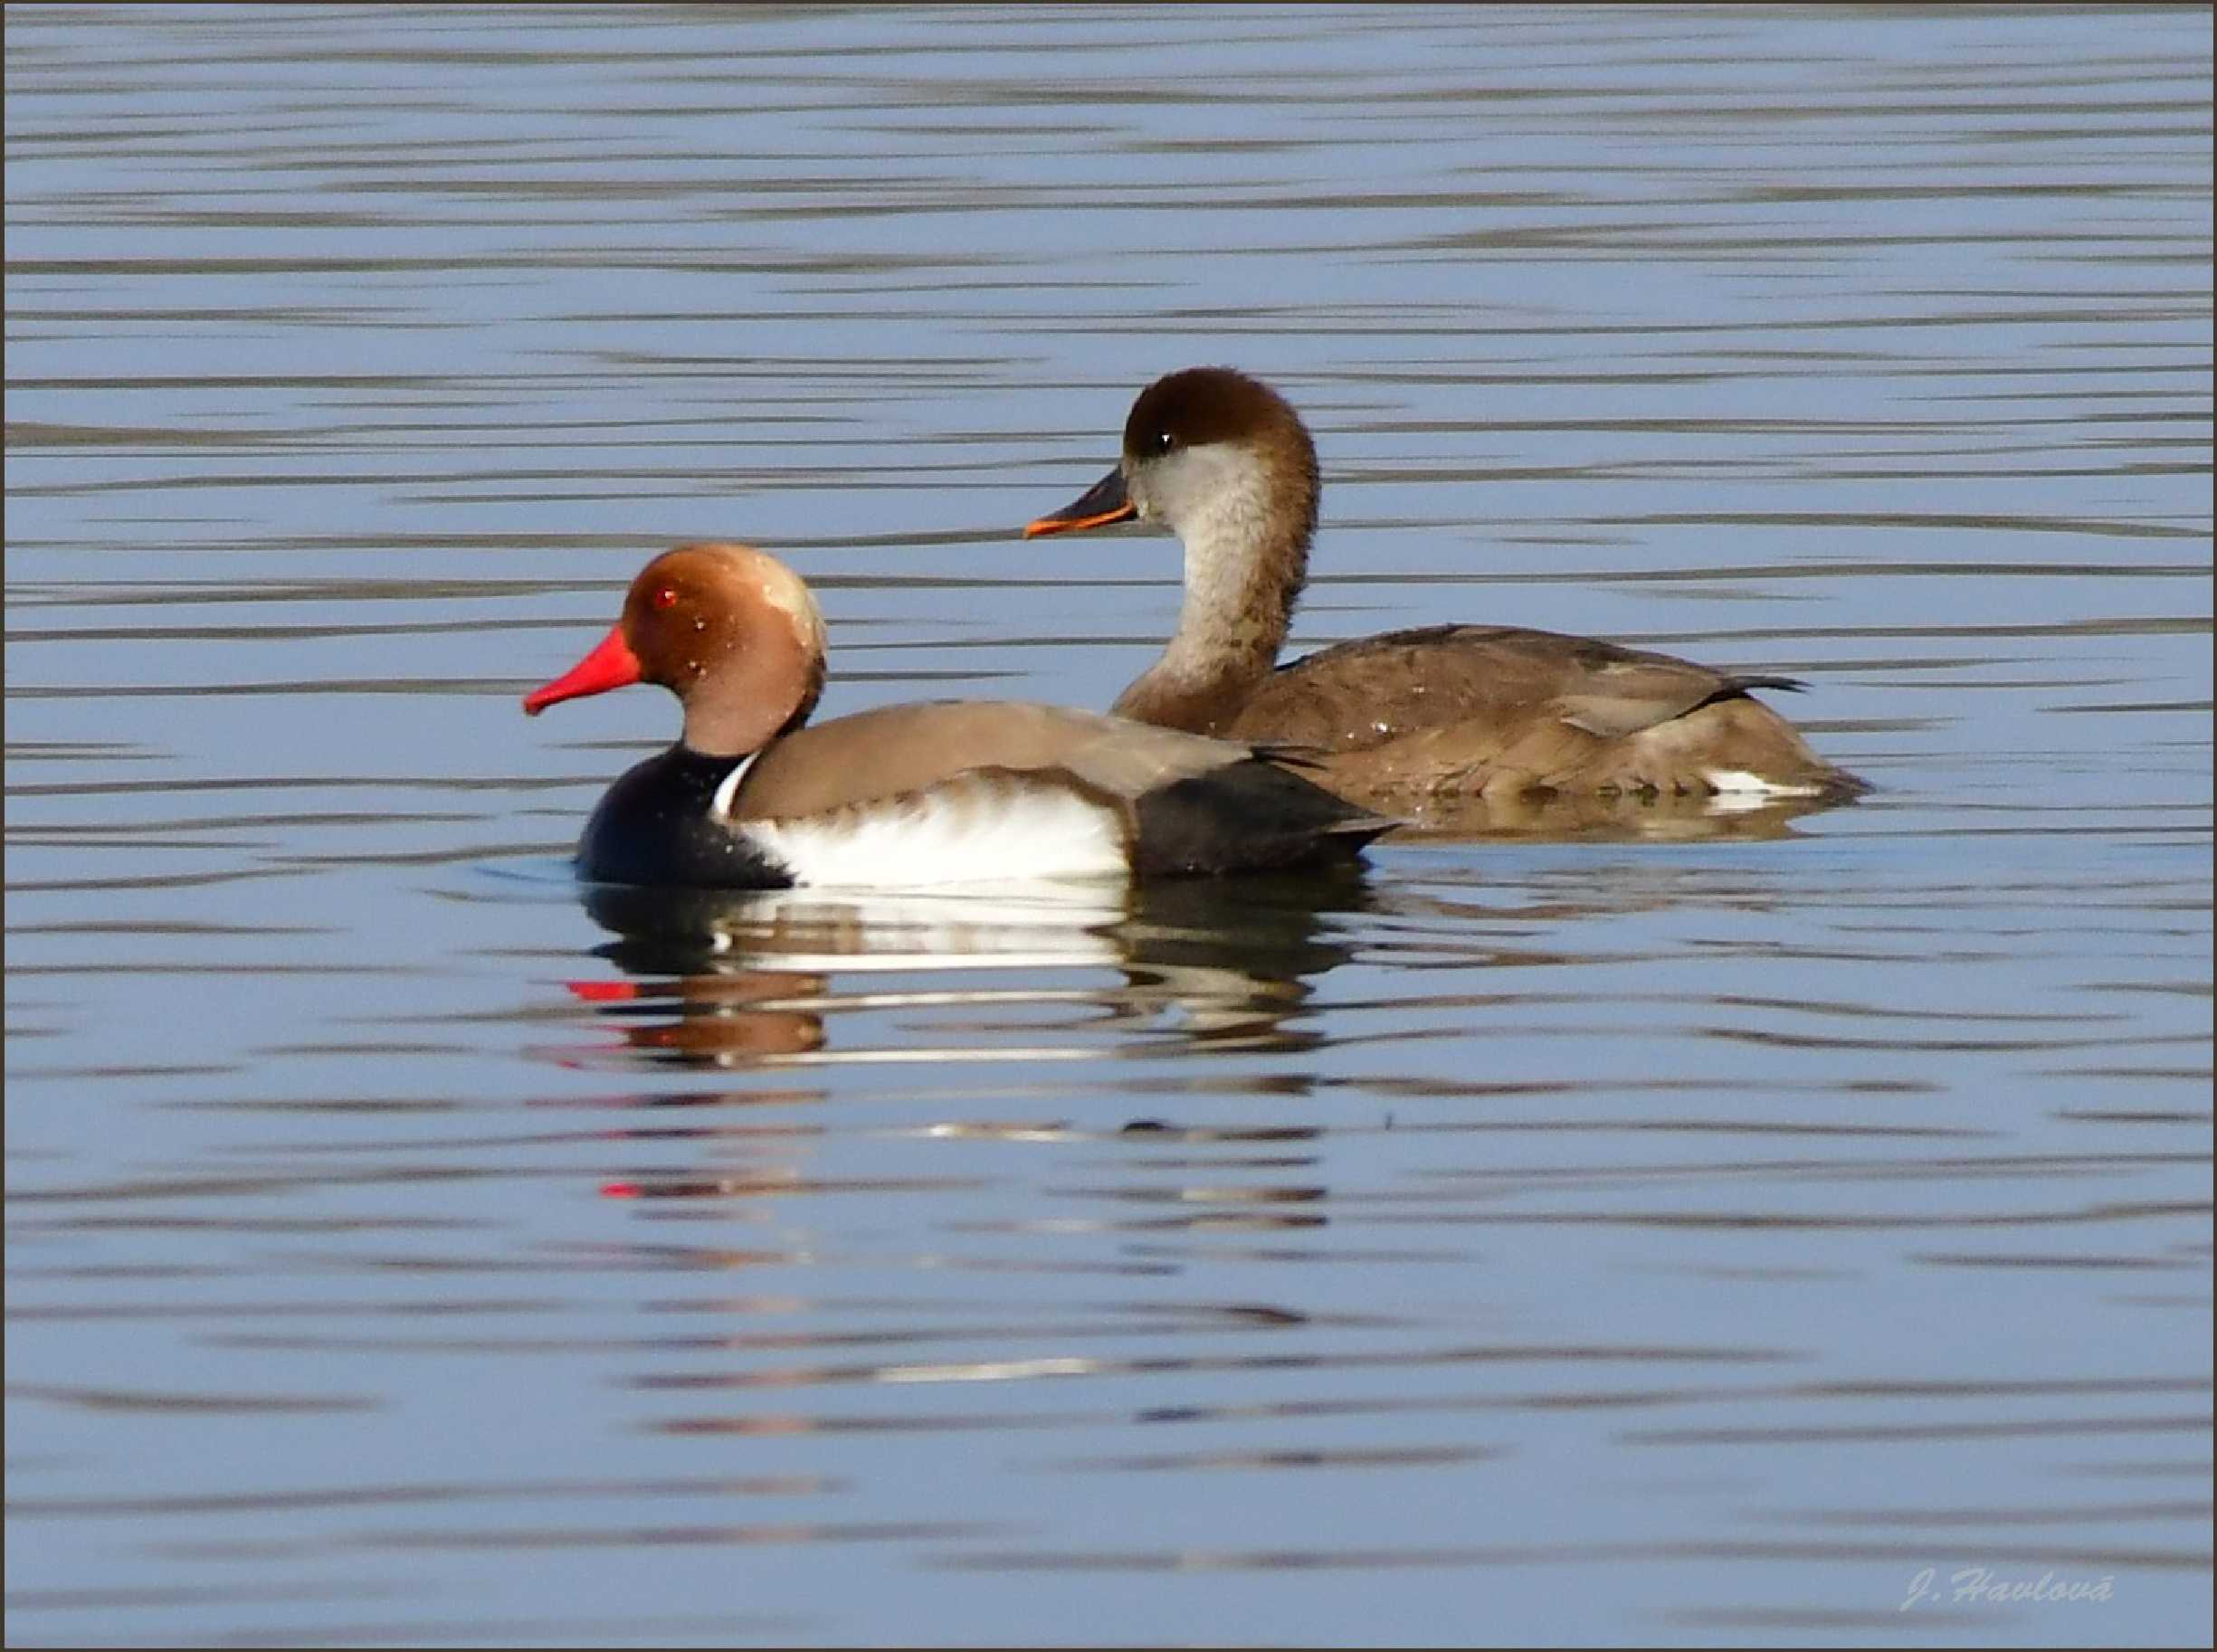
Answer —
(1245, 561)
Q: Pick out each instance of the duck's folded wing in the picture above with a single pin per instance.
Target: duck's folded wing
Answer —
(962, 790)
(1624, 697)
(1500, 679)
(900, 749)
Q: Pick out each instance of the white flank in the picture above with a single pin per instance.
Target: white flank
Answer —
(969, 830)
(1739, 782)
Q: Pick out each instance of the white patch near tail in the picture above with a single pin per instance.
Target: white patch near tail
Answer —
(1741, 784)
(976, 829)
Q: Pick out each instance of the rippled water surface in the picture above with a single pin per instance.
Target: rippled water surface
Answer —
(1696, 1236)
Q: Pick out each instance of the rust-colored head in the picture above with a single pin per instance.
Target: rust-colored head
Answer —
(731, 630)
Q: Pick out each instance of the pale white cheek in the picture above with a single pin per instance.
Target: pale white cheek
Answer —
(1738, 788)
(953, 834)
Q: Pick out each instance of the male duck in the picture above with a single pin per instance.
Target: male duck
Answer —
(952, 791)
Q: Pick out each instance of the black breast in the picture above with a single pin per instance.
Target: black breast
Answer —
(654, 827)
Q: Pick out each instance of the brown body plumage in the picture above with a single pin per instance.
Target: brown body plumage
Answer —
(1469, 710)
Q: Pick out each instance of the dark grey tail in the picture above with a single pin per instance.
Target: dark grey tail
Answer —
(1249, 816)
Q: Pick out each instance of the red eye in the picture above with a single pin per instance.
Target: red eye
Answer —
(664, 597)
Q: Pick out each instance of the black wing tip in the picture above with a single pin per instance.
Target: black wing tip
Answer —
(1288, 754)
(1366, 826)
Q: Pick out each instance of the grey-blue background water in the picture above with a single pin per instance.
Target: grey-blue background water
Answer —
(1528, 1242)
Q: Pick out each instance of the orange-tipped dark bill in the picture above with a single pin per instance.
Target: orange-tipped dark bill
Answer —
(1103, 503)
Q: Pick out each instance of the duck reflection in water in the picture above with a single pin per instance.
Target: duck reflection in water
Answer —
(1575, 817)
(743, 979)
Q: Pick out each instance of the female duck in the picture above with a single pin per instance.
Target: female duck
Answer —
(1224, 461)
(953, 792)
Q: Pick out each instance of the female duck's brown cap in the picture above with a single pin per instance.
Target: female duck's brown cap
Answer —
(1199, 405)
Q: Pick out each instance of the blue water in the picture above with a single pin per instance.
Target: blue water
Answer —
(1528, 1242)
